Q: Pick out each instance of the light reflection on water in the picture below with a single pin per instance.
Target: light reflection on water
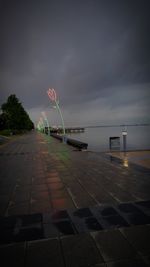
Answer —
(98, 138)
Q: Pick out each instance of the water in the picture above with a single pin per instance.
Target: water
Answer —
(138, 137)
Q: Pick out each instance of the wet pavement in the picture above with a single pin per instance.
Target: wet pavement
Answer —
(141, 158)
(27, 227)
(63, 207)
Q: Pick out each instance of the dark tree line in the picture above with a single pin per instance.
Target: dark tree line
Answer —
(14, 117)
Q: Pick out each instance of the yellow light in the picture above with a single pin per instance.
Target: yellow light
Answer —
(125, 162)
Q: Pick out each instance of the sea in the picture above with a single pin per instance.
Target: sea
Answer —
(97, 138)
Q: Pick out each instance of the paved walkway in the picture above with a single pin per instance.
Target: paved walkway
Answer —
(63, 207)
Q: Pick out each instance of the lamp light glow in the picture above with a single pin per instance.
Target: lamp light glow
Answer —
(124, 132)
(52, 94)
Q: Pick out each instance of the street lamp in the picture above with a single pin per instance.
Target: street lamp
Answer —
(41, 122)
(40, 126)
(124, 135)
(53, 97)
(46, 120)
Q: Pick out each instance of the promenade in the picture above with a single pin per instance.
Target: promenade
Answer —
(68, 208)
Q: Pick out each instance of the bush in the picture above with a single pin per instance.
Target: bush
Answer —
(6, 132)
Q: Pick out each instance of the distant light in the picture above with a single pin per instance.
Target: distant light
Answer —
(124, 132)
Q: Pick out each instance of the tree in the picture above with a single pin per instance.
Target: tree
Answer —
(3, 121)
(14, 116)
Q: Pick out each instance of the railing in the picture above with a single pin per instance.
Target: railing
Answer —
(80, 145)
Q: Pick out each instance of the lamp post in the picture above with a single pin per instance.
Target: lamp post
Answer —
(38, 126)
(124, 135)
(53, 97)
(42, 124)
(46, 120)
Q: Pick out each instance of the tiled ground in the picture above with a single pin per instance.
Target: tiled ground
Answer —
(20, 228)
(40, 174)
(129, 246)
(63, 207)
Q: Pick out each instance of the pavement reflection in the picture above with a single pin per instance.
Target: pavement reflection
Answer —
(141, 158)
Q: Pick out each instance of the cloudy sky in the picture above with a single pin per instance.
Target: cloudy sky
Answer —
(95, 53)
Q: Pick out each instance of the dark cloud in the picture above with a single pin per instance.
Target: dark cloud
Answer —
(95, 53)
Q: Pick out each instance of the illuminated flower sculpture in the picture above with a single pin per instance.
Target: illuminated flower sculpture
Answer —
(53, 97)
(40, 125)
(46, 120)
(52, 94)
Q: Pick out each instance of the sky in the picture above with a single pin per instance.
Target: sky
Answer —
(94, 53)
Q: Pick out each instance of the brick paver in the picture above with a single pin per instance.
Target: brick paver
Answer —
(71, 208)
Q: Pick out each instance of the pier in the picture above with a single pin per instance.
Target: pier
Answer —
(67, 130)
